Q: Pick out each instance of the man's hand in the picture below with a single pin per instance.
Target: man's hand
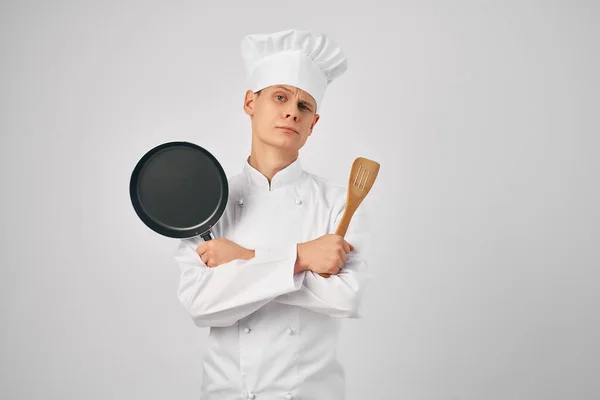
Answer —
(323, 255)
(220, 251)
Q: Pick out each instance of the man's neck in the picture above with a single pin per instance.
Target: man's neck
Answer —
(269, 160)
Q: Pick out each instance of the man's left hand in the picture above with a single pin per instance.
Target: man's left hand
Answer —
(220, 251)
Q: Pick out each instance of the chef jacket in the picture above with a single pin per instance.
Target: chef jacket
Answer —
(273, 334)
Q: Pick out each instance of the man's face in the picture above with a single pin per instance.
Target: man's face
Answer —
(279, 107)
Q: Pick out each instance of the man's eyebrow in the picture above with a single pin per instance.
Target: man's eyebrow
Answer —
(283, 87)
(302, 101)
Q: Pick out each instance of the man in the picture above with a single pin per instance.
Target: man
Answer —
(274, 320)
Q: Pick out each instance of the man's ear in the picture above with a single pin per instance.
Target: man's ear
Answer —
(249, 102)
(315, 120)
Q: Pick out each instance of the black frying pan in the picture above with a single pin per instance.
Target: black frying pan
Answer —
(179, 190)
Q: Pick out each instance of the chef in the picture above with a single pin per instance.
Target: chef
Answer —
(274, 319)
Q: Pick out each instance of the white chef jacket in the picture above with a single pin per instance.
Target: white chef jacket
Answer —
(273, 334)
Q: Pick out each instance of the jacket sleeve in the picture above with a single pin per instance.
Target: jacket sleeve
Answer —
(223, 295)
(338, 295)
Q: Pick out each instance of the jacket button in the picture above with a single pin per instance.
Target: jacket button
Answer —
(241, 202)
(290, 331)
(247, 330)
(288, 396)
(298, 201)
(251, 395)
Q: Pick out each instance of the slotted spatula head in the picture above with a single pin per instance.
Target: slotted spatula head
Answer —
(363, 175)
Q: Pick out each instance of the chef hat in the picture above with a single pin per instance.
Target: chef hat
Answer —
(306, 60)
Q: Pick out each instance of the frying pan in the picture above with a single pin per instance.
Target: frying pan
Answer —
(179, 190)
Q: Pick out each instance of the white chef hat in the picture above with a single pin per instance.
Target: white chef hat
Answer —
(306, 60)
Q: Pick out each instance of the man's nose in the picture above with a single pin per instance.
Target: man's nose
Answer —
(292, 111)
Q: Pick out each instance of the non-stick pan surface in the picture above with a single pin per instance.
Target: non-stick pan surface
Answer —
(179, 190)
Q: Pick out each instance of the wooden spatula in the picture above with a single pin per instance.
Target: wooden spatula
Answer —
(362, 176)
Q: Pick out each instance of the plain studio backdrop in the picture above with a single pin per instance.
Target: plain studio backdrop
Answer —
(484, 117)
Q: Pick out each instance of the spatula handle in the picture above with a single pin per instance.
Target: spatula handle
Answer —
(343, 227)
(345, 221)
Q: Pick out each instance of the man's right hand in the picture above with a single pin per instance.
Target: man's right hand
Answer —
(323, 255)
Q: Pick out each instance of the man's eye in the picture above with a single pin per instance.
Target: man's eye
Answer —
(278, 95)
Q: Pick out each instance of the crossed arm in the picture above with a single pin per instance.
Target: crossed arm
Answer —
(242, 280)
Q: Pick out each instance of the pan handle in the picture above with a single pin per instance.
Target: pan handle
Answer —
(207, 236)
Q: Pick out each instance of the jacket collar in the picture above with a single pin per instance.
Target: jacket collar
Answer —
(286, 176)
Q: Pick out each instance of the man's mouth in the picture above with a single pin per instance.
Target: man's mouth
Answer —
(289, 129)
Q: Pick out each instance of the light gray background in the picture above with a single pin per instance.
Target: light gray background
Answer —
(484, 117)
